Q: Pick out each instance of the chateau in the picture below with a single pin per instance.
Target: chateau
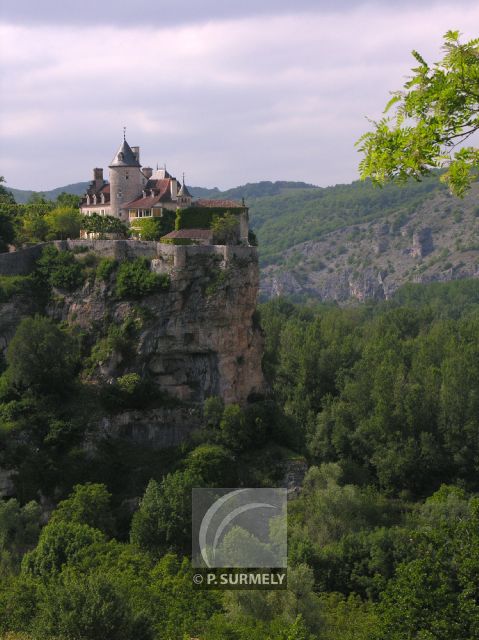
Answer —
(135, 192)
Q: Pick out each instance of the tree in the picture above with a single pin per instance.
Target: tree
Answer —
(6, 197)
(7, 231)
(225, 228)
(60, 543)
(436, 113)
(102, 225)
(88, 607)
(68, 200)
(64, 222)
(60, 268)
(41, 357)
(163, 520)
(88, 504)
(134, 279)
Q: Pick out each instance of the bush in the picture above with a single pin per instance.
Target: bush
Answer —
(105, 268)
(64, 222)
(225, 228)
(15, 285)
(153, 228)
(103, 225)
(197, 217)
(163, 520)
(60, 269)
(41, 357)
(134, 279)
(88, 504)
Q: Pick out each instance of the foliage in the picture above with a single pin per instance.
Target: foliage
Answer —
(198, 217)
(103, 225)
(105, 268)
(434, 595)
(225, 228)
(63, 222)
(387, 391)
(299, 215)
(117, 340)
(6, 196)
(19, 531)
(135, 280)
(69, 200)
(88, 607)
(177, 241)
(37, 347)
(163, 521)
(11, 286)
(435, 113)
(60, 543)
(88, 504)
(60, 268)
(153, 228)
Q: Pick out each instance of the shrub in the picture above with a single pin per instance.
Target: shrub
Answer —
(102, 225)
(105, 268)
(59, 268)
(177, 241)
(88, 504)
(134, 279)
(63, 222)
(40, 356)
(15, 285)
(225, 228)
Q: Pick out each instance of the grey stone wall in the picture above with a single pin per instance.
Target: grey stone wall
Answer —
(22, 262)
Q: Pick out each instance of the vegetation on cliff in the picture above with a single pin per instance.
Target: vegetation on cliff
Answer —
(381, 402)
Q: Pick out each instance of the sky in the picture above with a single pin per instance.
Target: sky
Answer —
(227, 91)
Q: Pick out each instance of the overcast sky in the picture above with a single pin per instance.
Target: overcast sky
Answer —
(229, 91)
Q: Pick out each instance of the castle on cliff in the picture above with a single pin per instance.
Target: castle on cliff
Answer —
(135, 192)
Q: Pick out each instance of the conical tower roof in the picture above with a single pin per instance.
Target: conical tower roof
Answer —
(124, 157)
(184, 190)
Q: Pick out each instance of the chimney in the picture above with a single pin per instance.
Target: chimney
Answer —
(147, 172)
(136, 152)
(98, 178)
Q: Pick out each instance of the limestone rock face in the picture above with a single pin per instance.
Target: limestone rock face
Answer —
(195, 339)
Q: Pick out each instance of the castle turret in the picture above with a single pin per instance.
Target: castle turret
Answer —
(126, 179)
(184, 196)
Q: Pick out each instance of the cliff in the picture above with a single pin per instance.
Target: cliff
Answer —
(193, 339)
(435, 239)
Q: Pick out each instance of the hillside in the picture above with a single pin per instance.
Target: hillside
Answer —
(352, 241)
(355, 242)
(23, 195)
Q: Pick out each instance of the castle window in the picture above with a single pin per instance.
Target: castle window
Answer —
(120, 157)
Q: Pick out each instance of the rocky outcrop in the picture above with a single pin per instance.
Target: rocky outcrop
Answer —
(195, 339)
(422, 244)
(157, 428)
(435, 241)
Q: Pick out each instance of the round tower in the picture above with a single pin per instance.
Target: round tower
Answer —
(126, 179)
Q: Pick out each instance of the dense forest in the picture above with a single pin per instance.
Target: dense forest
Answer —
(381, 403)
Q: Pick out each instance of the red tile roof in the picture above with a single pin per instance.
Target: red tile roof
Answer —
(142, 203)
(161, 189)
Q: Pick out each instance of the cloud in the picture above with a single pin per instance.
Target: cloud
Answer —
(227, 100)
